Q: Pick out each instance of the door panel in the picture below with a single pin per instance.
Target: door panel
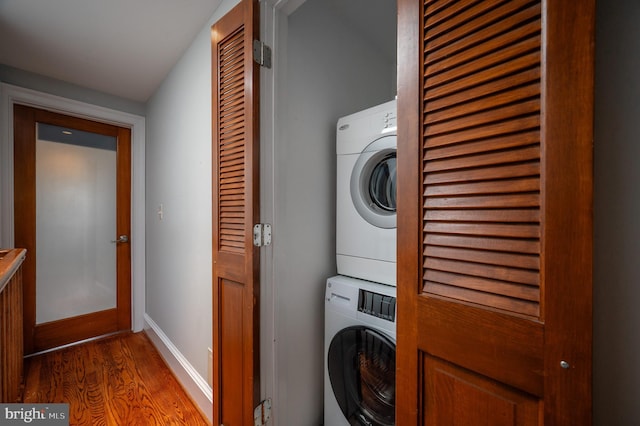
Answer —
(55, 209)
(483, 196)
(495, 195)
(455, 396)
(235, 211)
(231, 328)
(75, 222)
(455, 328)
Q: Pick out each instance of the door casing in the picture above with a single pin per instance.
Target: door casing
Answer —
(10, 95)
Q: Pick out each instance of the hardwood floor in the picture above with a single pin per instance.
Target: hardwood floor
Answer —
(119, 380)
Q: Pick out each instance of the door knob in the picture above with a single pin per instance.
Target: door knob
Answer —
(121, 239)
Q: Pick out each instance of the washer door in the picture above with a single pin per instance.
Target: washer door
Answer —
(362, 370)
(373, 183)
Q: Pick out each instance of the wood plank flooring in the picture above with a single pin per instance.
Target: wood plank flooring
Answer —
(119, 380)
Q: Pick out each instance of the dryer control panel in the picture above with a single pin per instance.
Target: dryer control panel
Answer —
(390, 122)
(378, 305)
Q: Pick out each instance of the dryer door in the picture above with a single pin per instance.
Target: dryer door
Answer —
(362, 365)
(373, 183)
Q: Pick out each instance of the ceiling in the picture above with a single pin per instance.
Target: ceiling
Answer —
(127, 47)
(120, 47)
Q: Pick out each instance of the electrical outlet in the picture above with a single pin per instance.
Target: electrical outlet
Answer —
(210, 368)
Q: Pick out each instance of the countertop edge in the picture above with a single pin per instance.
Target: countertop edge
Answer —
(9, 264)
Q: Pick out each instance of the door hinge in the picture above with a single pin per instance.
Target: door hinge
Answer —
(261, 234)
(262, 413)
(262, 53)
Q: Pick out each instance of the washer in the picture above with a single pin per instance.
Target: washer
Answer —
(366, 194)
(360, 353)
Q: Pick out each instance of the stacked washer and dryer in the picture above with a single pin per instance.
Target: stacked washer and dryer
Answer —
(360, 303)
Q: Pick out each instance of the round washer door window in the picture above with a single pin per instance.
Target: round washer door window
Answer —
(362, 371)
(373, 183)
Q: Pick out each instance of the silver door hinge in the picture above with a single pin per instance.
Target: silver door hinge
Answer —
(262, 413)
(262, 53)
(261, 234)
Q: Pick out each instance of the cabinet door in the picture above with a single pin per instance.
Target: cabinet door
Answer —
(495, 113)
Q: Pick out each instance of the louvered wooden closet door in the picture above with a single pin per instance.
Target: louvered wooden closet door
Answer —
(495, 192)
(235, 210)
(481, 127)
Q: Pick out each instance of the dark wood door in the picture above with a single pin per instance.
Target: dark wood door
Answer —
(235, 210)
(495, 114)
(50, 334)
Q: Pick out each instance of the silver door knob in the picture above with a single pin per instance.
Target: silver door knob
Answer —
(121, 239)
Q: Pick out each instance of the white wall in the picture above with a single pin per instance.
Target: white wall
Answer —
(617, 215)
(178, 155)
(29, 80)
(331, 72)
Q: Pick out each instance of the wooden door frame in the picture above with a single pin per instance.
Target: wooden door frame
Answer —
(11, 95)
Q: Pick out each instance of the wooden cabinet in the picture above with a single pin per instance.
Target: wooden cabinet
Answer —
(11, 341)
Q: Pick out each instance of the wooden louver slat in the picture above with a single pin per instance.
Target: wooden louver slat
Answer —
(481, 170)
(231, 144)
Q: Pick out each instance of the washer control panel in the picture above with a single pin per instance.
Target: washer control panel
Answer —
(377, 305)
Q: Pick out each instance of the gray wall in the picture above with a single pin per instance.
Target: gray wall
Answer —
(332, 71)
(52, 86)
(178, 176)
(617, 215)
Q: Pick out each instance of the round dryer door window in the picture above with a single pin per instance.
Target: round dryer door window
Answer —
(373, 183)
(362, 371)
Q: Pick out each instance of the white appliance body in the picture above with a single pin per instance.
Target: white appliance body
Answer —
(365, 194)
(360, 330)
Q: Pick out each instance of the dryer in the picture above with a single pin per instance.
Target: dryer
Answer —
(366, 194)
(360, 353)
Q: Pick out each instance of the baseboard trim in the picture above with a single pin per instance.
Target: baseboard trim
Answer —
(195, 385)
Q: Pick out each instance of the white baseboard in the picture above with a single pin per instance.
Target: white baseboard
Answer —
(195, 385)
